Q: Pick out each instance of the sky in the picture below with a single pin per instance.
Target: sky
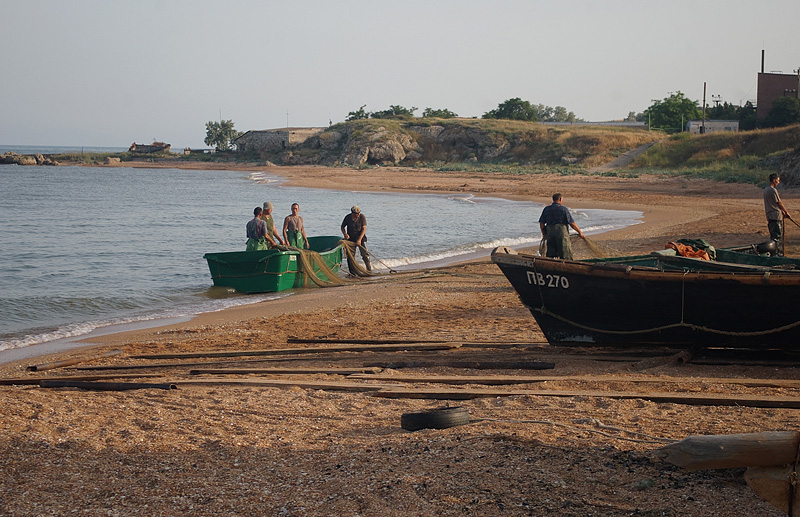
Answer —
(108, 73)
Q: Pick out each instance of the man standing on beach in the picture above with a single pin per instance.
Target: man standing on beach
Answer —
(554, 224)
(266, 216)
(775, 211)
(354, 228)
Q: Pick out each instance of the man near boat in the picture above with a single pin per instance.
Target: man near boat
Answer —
(554, 223)
(294, 233)
(266, 216)
(354, 229)
(257, 238)
(775, 211)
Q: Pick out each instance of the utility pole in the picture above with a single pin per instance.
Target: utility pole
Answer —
(287, 119)
(703, 127)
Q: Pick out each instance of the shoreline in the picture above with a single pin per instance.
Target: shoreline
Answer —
(657, 219)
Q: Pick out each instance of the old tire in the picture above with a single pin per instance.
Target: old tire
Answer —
(439, 418)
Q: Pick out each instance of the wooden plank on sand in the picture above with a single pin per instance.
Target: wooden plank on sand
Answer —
(312, 350)
(287, 383)
(285, 371)
(525, 379)
(35, 380)
(763, 401)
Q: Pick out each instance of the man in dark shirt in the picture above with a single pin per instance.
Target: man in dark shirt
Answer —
(354, 229)
(554, 224)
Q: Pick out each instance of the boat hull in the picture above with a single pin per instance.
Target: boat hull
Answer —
(271, 270)
(618, 304)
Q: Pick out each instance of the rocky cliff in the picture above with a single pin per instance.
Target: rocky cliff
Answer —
(413, 142)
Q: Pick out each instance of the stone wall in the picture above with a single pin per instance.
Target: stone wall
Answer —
(275, 139)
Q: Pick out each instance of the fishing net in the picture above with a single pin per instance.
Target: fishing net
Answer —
(349, 248)
(313, 267)
(590, 248)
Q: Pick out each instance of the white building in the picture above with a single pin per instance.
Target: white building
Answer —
(711, 126)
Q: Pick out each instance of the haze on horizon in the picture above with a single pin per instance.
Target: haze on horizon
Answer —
(98, 73)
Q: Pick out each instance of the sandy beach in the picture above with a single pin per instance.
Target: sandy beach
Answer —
(318, 443)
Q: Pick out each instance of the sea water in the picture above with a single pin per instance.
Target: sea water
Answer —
(89, 247)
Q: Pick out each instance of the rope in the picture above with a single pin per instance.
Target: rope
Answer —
(691, 326)
(349, 248)
(597, 423)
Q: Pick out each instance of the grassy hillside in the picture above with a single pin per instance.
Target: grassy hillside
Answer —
(748, 156)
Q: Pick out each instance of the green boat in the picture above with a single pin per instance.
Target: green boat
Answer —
(279, 268)
(733, 259)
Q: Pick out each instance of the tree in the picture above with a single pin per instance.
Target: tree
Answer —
(358, 114)
(513, 109)
(785, 111)
(747, 117)
(672, 113)
(394, 112)
(440, 113)
(724, 111)
(221, 134)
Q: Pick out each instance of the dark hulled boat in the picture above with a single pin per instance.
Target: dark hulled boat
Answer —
(631, 302)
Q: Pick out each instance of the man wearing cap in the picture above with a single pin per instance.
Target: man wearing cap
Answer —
(354, 228)
(266, 216)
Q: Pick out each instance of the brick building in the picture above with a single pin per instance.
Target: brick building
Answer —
(772, 86)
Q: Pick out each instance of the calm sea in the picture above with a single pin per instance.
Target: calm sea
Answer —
(89, 247)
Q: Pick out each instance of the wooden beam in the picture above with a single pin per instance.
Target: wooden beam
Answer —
(286, 383)
(524, 379)
(677, 398)
(35, 380)
(290, 351)
(286, 371)
(70, 362)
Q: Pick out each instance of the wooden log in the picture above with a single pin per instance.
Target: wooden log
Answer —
(477, 365)
(70, 362)
(286, 383)
(289, 351)
(677, 398)
(21, 381)
(106, 386)
(293, 339)
(524, 379)
(773, 484)
(286, 371)
(767, 449)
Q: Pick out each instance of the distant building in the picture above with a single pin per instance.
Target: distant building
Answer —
(274, 139)
(696, 127)
(156, 147)
(773, 86)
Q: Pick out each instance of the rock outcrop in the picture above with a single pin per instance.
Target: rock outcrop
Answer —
(12, 158)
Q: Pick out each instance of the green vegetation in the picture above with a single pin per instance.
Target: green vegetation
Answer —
(743, 157)
(672, 113)
(221, 134)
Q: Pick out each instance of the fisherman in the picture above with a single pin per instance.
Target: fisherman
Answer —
(257, 238)
(266, 216)
(354, 229)
(776, 212)
(294, 233)
(554, 224)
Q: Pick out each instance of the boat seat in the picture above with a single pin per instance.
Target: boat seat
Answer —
(669, 252)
